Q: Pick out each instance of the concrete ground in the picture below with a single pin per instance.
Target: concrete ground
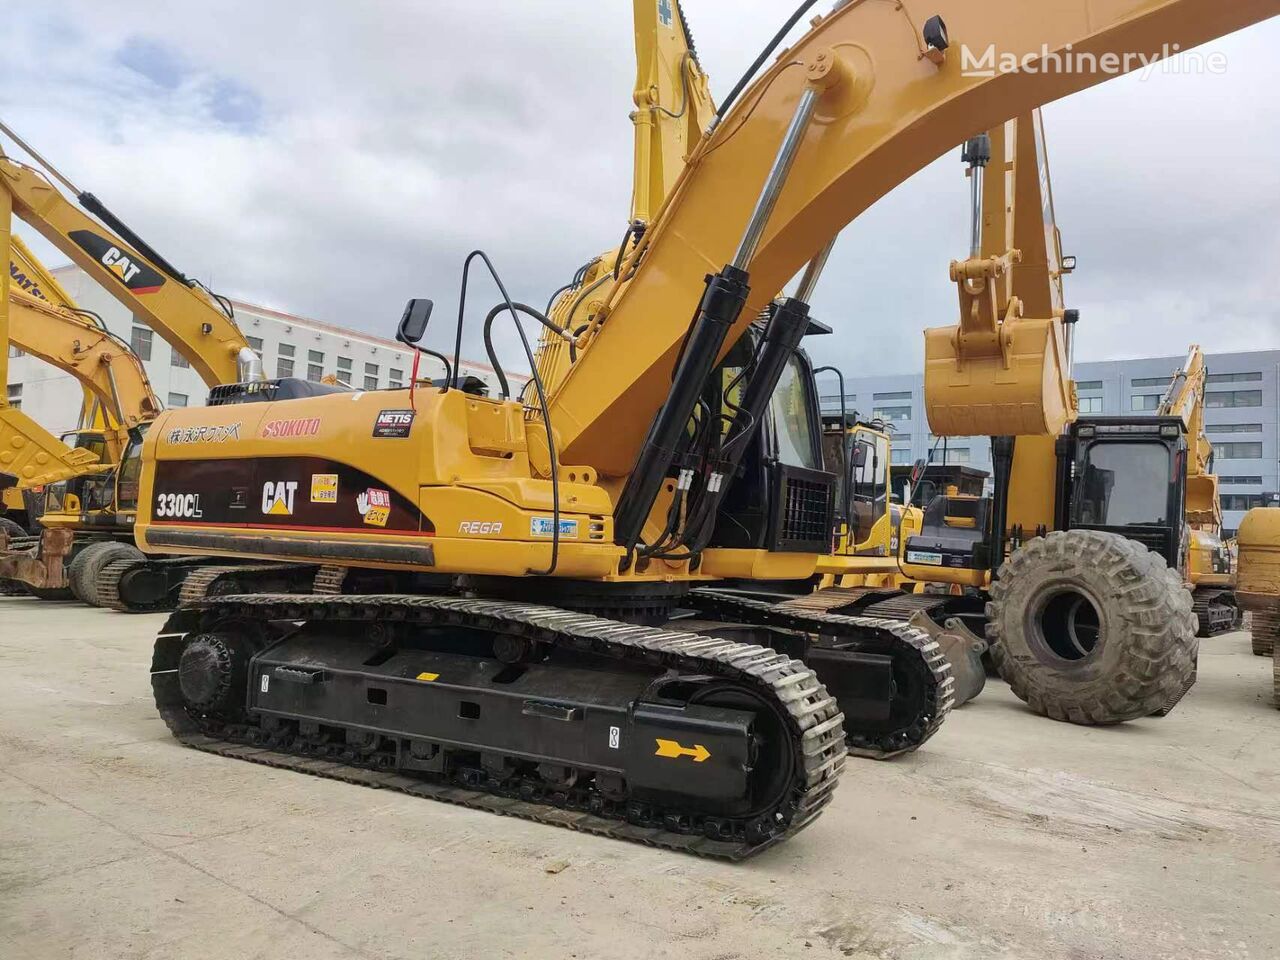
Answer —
(1007, 836)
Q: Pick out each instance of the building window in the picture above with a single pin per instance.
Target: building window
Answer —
(255, 344)
(315, 356)
(1233, 398)
(371, 376)
(1088, 385)
(315, 365)
(952, 455)
(15, 396)
(140, 341)
(900, 395)
(285, 349)
(14, 352)
(284, 367)
(1146, 401)
(1242, 481)
(1241, 501)
(344, 370)
(1233, 428)
(892, 413)
(177, 399)
(178, 360)
(396, 378)
(1090, 404)
(1233, 378)
(1238, 451)
(901, 456)
(1150, 382)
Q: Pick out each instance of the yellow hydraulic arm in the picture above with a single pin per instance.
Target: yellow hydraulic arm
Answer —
(193, 321)
(866, 101)
(44, 323)
(673, 102)
(1185, 399)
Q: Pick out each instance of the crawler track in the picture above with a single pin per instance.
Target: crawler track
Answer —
(813, 723)
(916, 655)
(1216, 611)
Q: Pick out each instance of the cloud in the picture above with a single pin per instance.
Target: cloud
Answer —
(335, 159)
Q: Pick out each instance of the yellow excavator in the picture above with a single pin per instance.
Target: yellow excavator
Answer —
(569, 632)
(45, 323)
(1207, 563)
(1258, 583)
(90, 483)
(1065, 669)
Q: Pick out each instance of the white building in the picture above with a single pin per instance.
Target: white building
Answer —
(290, 346)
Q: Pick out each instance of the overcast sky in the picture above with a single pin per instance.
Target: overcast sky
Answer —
(334, 159)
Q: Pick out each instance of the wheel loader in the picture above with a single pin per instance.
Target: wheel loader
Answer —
(554, 644)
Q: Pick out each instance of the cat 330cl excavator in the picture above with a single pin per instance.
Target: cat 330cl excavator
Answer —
(565, 628)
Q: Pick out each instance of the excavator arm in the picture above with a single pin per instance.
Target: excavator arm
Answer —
(45, 323)
(887, 103)
(1185, 399)
(672, 98)
(179, 309)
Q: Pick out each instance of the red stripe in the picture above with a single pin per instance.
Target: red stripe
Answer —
(370, 528)
(141, 290)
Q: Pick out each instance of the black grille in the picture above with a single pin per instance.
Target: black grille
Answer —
(254, 392)
(805, 515)
(267, 391)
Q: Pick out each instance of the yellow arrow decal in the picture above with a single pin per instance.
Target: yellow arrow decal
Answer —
(672, 749)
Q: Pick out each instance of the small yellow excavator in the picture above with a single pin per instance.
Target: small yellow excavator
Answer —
(566, 629)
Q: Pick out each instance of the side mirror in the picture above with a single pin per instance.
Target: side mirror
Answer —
(413, 325)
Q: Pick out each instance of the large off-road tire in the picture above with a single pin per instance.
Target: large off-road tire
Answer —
(82, 575)
(1092, 628)
(1262, 633)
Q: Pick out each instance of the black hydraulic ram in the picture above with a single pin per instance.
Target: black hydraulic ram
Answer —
(721, 306)
(788, 322)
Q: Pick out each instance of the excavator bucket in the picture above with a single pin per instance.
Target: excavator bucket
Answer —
(1012, 384)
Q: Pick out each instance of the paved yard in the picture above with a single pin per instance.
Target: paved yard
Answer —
(1007, 836)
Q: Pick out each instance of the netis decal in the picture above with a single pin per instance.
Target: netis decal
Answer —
(121, 262)
(393, 424)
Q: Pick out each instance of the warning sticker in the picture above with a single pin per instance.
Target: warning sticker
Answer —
(324, 488)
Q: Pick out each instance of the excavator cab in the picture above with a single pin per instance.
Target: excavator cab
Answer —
(1126, 476)
(859, 458)
(955, 535)
(784, 496)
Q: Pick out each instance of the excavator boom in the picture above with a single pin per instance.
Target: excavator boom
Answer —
(174, 306)
(892, 112)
